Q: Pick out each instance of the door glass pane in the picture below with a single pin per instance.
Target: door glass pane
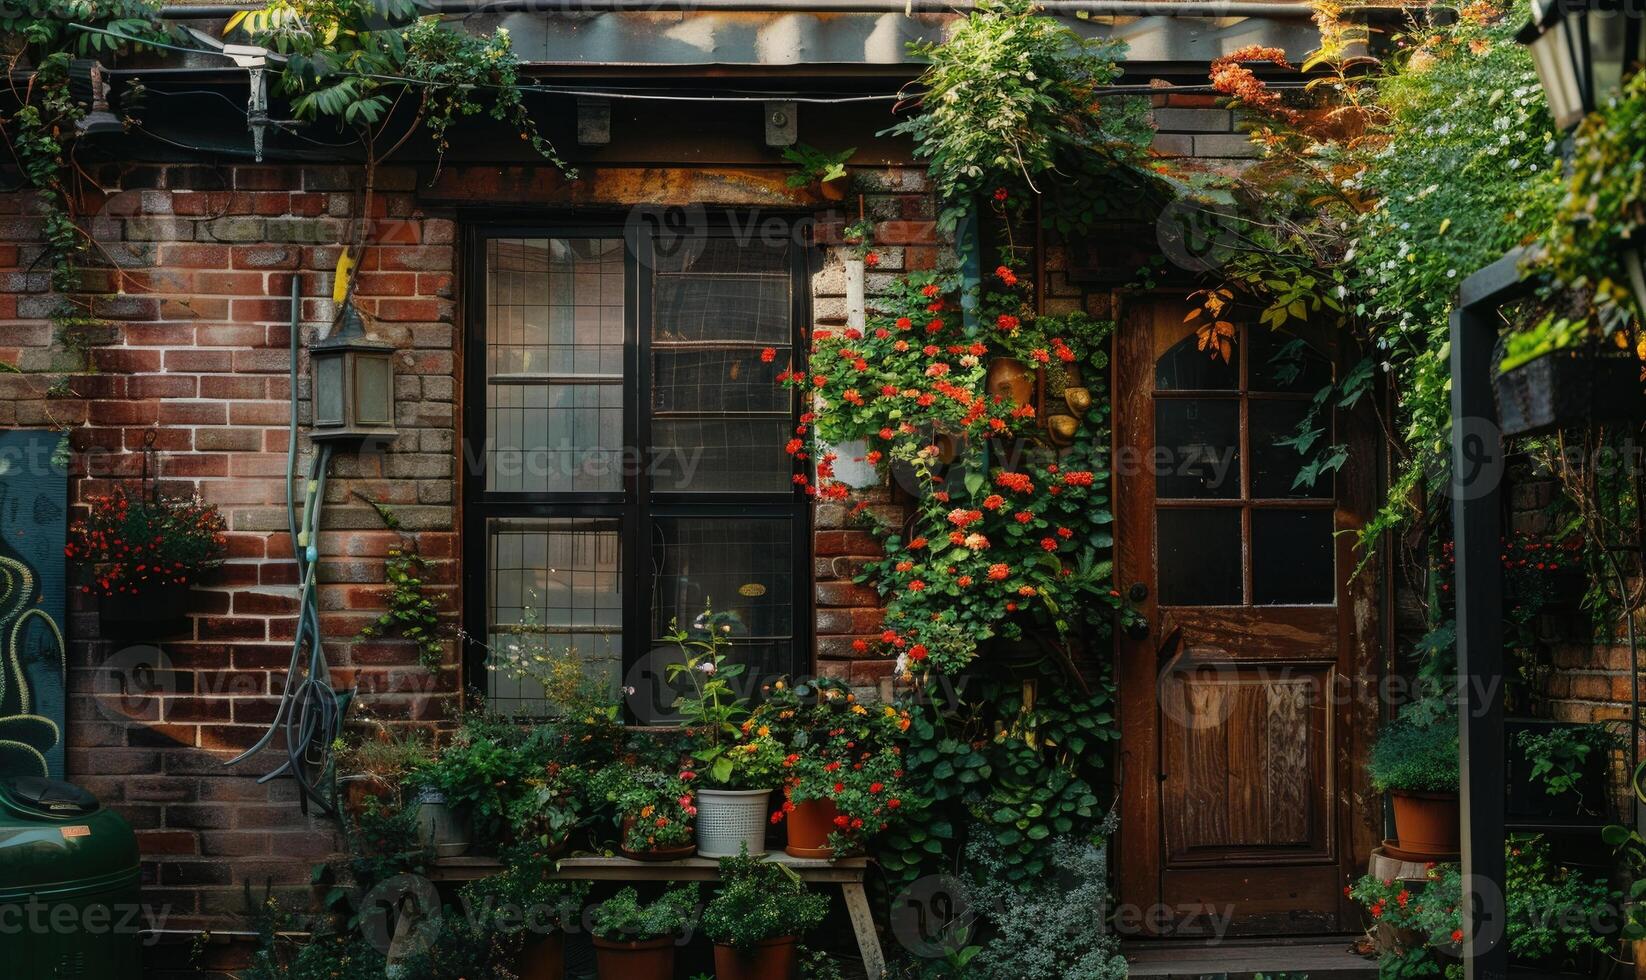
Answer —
(1292, 557)
(742, 568)
(1188, 368)
(1281, 362)
(554, 364)
(1275, 468)
(1197, 444)
(1199, 556)
(556, 609)
(719, 420)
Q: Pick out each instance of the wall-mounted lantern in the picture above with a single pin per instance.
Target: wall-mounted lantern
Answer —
(353, 382)
(1583, 50)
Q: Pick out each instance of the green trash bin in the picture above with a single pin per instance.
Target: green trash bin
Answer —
(70, 906)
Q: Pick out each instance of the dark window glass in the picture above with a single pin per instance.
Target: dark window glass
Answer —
(1187, 368)
(1281, 362)
(1197, 444)
(1292, 557)
(718, 417)
(1274, 467)
(1200, 556)
(741, 567)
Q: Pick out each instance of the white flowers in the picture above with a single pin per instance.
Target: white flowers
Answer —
(707, 667)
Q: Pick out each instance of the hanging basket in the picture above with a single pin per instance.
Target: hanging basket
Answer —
(728, 819)
(1574, 386)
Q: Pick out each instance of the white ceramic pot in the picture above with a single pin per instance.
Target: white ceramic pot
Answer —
(729, 819)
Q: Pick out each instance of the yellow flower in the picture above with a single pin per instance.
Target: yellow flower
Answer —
(763, 731)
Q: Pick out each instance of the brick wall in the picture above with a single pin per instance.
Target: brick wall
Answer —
(197, 271)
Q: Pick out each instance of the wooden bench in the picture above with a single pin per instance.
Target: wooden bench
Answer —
(848, 873)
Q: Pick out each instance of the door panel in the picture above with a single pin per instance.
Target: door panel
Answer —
(1241, 711)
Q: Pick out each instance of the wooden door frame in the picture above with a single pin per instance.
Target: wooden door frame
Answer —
(1358, 822)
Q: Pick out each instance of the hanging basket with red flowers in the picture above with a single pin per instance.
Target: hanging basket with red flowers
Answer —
(133, 549)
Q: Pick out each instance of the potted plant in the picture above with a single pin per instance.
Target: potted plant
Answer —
(548, 809)
(633, 941)
(844, 774)
(823, 173)
(528, 909)
(468, 788)
(376, 766)
(140, 554)
(654, 812)
(1417, 765)
(1559, 372)
(737, 762)
(761, 911)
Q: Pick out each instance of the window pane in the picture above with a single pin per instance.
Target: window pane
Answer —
(556, 593)
(1200, 553)
(741, 566)
(555, 438)
(1275, 468)
(554, 362)
(1188, 368)
(1198, 448)
(720, 421)
(1281, 362)
(717, 381)
(709, 308)
(1292, 558)
(726, 455)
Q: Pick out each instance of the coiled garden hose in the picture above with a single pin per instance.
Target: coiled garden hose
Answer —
(310, 713)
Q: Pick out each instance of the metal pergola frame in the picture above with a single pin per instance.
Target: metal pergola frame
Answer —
(1478, 469)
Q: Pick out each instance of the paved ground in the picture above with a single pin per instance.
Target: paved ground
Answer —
(1330, 960)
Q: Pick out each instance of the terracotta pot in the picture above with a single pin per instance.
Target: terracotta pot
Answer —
(831, 190)
(1426, 823)
(649, 960)
(1639, 947)
(543, 958)
(809, 826)
(773, 959)
(1011, 378)
(361, 788)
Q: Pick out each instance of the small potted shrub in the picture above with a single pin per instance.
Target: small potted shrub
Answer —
(824, 174)
(762, 910)
(634, 941)
(1417, 765)
(140, 554)
(737, 761)
(529, 911)
(376, 766)
(654, 812)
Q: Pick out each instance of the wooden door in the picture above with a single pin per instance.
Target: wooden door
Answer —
(1245, 708)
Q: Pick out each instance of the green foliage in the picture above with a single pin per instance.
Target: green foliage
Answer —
(1458, 181)
(352, 61)
(1421, 758)
(1043, 929)
(1009, 97)
(1560, 756)
(1600, 213)
(730, 753)
(815, 165)
(1551, 911)
(412, 614)
(624, 919)
(760, 900)
(652, 808)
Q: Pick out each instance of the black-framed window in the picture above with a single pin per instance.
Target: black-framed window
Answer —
(624, 445)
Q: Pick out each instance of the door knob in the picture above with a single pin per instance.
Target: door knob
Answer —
(1138, 592)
